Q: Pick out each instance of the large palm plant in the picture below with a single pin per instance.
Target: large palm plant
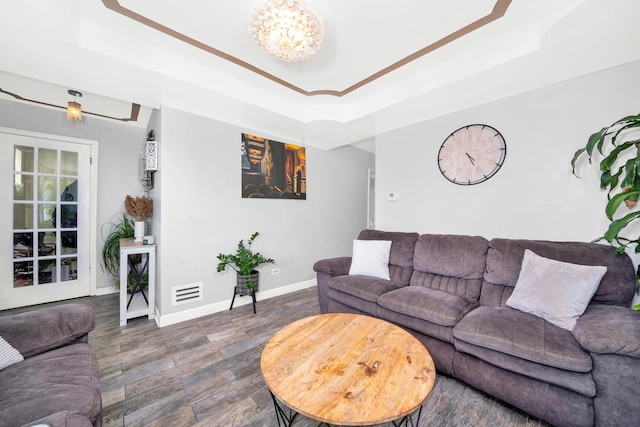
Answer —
(619, 144)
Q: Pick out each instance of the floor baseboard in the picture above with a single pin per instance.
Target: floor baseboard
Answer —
(216, 307)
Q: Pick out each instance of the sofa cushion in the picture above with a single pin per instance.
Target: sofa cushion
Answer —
(451, 255)
(504, 260)
(402, 244)
(363, 287)
(371, 258)
(450, 263)
(522, 335)
(554, 290)
(427, 304)
(401, 254)
(424, 327)
(359, 292)
(579, 382)
(66, 378)
(339, 302)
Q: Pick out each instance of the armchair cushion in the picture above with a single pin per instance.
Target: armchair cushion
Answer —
(66, 378)
(35, 332)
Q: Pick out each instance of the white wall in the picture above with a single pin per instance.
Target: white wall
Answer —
(534, 195)
(198, 209)
(119, 148)
(203, 213)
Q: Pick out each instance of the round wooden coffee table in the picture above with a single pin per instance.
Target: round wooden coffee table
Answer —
(347, 369)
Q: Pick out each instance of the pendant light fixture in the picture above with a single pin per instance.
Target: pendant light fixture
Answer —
(74, 110)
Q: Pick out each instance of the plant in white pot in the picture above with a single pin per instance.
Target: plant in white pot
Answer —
(140, 209)
(245, 262)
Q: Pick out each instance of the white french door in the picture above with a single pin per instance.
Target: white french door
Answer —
(45, 253)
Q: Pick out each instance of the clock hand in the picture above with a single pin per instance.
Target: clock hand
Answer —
(471, 159)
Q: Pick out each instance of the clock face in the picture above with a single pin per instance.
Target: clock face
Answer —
(472, 154)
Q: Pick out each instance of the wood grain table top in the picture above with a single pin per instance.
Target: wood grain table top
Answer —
(347, 369)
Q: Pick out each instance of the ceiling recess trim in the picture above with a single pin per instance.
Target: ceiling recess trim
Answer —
(135, 108)
(499, 9)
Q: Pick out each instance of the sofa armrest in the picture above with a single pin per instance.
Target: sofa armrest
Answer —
(37, 331)
(608, 329)
(333, 266)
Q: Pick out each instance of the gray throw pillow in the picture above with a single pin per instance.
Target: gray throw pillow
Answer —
(556, 291)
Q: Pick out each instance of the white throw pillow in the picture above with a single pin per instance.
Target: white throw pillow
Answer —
(8, 354)
(557, 291)
(371, 258)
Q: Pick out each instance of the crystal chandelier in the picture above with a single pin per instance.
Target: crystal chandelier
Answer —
(287, 29)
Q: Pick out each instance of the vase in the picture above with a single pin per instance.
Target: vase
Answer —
(244, 283)
(138, 231)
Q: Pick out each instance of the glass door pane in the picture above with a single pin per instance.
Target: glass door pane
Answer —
(52, 217)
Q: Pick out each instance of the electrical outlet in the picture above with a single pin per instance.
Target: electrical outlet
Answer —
(275, 271)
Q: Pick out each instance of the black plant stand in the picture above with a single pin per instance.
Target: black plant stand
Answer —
(253, 297)
(137, 276)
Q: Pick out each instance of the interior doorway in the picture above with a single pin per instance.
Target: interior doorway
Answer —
(371, 200)
(49, 230)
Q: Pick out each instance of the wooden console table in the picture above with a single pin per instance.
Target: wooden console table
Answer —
(137, 303)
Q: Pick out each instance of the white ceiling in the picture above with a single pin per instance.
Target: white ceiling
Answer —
(198, 56)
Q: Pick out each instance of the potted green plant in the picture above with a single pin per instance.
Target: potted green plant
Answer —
(110, 255)
(139, 209)
(245, 262)
(619, 145)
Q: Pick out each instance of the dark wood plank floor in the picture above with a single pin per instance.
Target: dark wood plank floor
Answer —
(206, 372)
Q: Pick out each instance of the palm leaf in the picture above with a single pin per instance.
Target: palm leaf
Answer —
(616, 200)
(608, 162)
(618, 225)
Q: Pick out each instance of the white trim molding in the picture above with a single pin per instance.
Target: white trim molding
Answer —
(194, 313)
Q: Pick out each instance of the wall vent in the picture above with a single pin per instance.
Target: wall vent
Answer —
(186, 293)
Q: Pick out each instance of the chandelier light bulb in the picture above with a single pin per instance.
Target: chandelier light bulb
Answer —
(289, 30)
(74, 109)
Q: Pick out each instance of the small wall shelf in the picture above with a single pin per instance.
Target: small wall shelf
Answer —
(138, 303)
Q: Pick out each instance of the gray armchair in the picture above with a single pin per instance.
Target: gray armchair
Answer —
(58, 382)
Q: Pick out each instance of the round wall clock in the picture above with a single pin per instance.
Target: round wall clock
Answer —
(472, 154)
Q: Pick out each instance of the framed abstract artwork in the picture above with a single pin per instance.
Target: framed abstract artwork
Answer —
(273, 169)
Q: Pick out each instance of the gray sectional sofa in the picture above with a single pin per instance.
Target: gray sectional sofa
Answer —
(58, 381)
(451, 292)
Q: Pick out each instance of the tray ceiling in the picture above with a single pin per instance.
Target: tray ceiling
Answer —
(382, 64)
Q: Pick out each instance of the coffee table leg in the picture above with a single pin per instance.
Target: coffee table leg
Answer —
(408, 420)
(281, 414)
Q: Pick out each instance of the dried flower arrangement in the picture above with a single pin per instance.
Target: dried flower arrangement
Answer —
(139, 208)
